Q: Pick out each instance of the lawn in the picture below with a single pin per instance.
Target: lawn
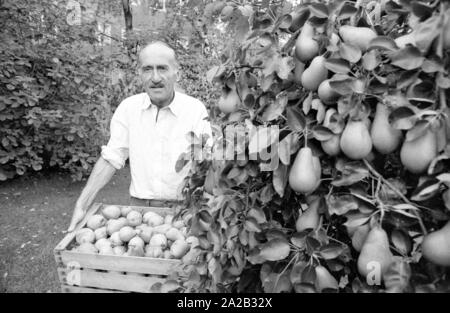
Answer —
(35, 213)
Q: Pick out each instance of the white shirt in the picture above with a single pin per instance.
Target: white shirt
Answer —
(154, 141)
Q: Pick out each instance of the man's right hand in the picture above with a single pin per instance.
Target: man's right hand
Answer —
(77, 216)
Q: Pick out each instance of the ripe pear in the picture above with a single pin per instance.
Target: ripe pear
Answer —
(416, 155)
(179, 248)
(385, 138)
(326, 93)
(357, 36)
(87, 247)
(303, 176)
(355, 140)
(332, 146)
(375, 252)
(100, 233)
(135, 251)
(153, 219)
(315, 74)
(134, 218)
(85, 235)
(298, 71)
(310, 218)
(306, 47)
(115, 225)
(324, 280)
(436, 246)
(178, 224)
(111, 212)
(119, 250)
(229, 102)
(96, 221)
(136, 241)
(102, 242)
(126, 233)
(125, 210)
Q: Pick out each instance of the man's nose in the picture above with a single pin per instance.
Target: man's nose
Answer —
(156, 77)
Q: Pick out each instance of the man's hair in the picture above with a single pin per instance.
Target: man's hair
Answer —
(158, 42)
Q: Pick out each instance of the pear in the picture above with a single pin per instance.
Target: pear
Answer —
(179, 248)
(315, 74)
(85, 235)
(359, 236)
(100, 233)
(135, 251)
(324, 280)
(326, 93)
(136, 241)
(375, 251)
(178, 224)
(332, 146)
(134, 218)
(306, 47)
(304, 176)
(96, 221)
(298, 71)
(229, 102)
(416, 155)
(436, 246)
(87, 247)
(111, 212)
(153, 219)
(357, 36)
(355, 140)
(125, 210)
(310, 218)
(126, 233)
(385, 138)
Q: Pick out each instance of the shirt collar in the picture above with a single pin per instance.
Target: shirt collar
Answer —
(174, 106)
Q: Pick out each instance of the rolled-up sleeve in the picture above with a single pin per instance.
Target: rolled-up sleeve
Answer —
(116, 151)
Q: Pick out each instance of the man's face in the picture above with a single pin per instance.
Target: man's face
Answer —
(158, 72)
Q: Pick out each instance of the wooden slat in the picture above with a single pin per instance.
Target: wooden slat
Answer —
(76, 289)
(118, 263)
(133, 283)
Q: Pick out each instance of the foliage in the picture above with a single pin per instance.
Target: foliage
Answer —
(60, 83)
(244, 212)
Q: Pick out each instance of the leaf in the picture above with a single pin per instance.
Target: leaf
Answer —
(355, 222)
(296, 272)
(350, 53)
(280, 178)
(284, 150)
(275, 108)
(319, 9)
(181, 162)
(251, 225)
(396, 279)
(331, 251)
(339, 66)
(275, 250)
(426, 190)
(299, 240)
(347, 10)
(258, 215)
(426, 32)
(408, 58)
(322, 133)
(401, 241)
(418, 130)
(295, 119)
(343, 86)
(383, 42)
(402, 118)
(340, 205)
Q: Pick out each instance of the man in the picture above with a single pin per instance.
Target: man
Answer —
(150, 129)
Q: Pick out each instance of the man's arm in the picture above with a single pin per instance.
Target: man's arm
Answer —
(100, 176)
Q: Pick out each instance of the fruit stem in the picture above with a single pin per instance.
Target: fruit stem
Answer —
(305, 133)
(387, 183)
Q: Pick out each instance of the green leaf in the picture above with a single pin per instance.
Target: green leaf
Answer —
(338, 66)
(403, 118)
(260, 139)
(426, 190)
(322, 133)
(340, 205)
(408, 58)
(383, 42)
(275, 108)
(280, 178)
(296, 272)
(295, 118)
(331, 251)
(401, 241)
(319, 9)
(426, 32)
(275, 250)
(370, 60)
(251, 225)
(347, 10)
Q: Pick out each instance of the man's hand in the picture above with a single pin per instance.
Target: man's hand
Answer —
(77, 216)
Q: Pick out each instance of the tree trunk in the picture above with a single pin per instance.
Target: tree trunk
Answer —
(128, 15)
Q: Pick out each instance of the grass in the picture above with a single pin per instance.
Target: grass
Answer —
(35, 213)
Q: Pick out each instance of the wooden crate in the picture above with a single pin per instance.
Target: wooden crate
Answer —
(85, 272)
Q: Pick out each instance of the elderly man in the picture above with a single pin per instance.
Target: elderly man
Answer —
(150, 129)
